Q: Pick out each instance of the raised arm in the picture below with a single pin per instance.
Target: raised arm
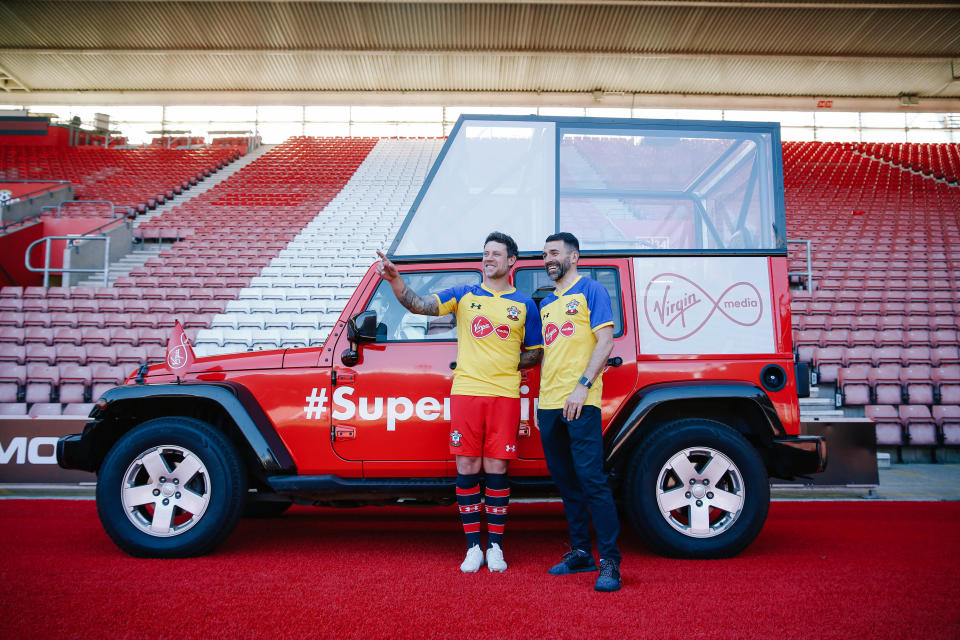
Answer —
(424, 305)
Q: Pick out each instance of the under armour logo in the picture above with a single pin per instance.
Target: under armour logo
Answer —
(546, 315)
(511, 448)
(474, 305)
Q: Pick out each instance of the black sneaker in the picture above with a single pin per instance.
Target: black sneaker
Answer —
(609, 578)
(575, 561)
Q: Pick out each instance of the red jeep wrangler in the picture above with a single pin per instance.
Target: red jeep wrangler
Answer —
(682, 222)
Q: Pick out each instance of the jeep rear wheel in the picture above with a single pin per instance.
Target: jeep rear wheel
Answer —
(170, 488)
(697, 489)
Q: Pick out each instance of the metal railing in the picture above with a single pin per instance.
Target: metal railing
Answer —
(30, 194)
(46, 269)
(808, 273)
(113, 209)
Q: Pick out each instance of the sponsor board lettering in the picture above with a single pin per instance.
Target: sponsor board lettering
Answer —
(28, 450)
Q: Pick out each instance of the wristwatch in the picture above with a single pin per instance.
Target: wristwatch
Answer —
(585, 382)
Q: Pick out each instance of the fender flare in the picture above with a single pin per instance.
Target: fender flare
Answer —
(234, 399)
(624, 432)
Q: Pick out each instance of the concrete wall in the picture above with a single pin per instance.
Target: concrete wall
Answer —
(32, 206)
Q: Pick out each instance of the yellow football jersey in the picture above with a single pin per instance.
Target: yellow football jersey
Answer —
(569, 320)
(492, 326)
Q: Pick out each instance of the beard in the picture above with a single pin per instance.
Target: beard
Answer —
(562, 266)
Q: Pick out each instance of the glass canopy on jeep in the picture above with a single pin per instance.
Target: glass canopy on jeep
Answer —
(622, 185)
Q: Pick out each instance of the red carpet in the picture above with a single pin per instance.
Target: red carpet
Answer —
(818, 570)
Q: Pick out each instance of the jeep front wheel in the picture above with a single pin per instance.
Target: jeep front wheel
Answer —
(696, 488)
(171, 488)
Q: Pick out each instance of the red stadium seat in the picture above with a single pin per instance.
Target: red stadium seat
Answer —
(12, 354)
(888, 425)
(948, 422)
(827, 362)
(917, 384)
(41, 353)
(920, 425)
(853, 384)
(885, 381)
(74, 382)
(42, 379)
(40, 409)
(13, 408)
(946, 379)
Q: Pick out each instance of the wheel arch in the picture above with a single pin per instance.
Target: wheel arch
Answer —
(741, 405)
(229, 407)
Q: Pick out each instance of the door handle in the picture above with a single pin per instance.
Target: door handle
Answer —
(340, 432)
(615, 362)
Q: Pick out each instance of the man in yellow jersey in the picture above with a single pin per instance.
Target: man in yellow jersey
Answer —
(498, 333)
(578, 337)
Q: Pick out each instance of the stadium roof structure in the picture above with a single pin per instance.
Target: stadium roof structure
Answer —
(597, 52)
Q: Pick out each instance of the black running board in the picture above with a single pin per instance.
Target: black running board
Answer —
(417, 488)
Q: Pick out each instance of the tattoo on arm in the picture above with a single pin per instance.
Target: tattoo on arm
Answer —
(530, 358)
(425, 305)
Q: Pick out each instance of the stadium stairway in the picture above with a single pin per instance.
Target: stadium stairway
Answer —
(145, 249)
(297, 298)
(207, 183)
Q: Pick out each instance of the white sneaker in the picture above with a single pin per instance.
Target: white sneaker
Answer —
(474, 560)
(495, 560)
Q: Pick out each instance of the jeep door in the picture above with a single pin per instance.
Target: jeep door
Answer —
(391, 409)
(620, 375)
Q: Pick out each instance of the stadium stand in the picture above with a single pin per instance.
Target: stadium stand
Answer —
(267, 259)
(881, 319)
(135, 178)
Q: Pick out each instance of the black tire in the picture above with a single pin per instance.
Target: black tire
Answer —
(214, 486)
(717, 528)
(265, 508)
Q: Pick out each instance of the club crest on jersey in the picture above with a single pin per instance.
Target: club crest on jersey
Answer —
(572, 307)
(455, 438)
(513, 313)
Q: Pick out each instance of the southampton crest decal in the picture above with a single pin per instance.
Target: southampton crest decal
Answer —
(513, 313)
(572, 307)
(455, 438)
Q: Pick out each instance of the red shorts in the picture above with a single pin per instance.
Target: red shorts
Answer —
(484, 426)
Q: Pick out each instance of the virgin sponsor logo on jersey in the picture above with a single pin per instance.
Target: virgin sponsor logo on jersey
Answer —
(551, 332)
(481, 327)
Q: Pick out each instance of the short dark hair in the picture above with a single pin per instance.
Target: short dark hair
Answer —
(568, 239)
(504, 239)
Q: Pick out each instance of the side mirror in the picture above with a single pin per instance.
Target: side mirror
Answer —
(360, 328)
(363, 327)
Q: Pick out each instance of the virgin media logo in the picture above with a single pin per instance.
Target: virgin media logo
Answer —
(551, 332)
(676, 307)
(481, 328)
